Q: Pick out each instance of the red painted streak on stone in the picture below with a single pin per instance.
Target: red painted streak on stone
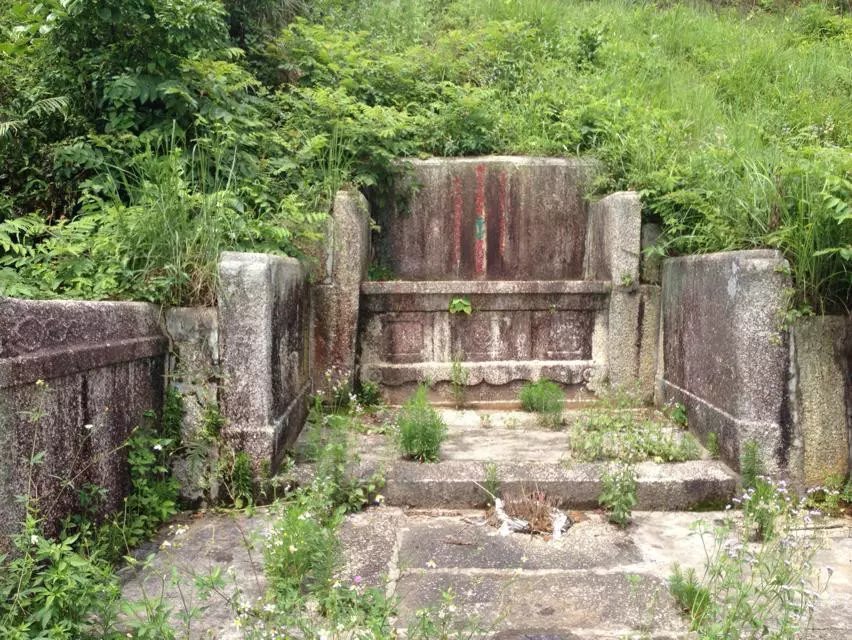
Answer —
(457, 222)
(504, 212)
(480, 232)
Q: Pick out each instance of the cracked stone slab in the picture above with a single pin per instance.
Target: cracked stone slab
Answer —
(456, 542)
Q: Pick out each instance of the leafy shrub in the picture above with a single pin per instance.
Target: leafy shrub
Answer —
(542, 396)
(421, 429)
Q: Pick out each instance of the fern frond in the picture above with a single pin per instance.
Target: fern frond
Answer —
(8, 127)
(48, 106)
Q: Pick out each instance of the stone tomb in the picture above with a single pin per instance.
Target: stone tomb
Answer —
(552, 281)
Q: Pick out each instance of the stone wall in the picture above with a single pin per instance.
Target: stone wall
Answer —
(75, 379)
(727, 356)
(264, 350)
(552, 281)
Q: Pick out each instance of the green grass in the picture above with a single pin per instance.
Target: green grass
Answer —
(544, 397)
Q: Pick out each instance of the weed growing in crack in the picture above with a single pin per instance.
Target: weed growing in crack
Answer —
(492, 480)
(421, 429)
(618, 495)
(751, 464)
(459, 377)
(712, 445)
(833, 497)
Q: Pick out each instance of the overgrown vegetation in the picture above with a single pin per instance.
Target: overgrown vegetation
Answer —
(622, 434)
(63, 585)
(241, 119)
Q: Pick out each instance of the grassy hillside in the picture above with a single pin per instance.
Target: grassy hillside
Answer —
(735, 124)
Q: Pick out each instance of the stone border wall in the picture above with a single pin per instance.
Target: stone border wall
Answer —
(75, 379)
(726, 355)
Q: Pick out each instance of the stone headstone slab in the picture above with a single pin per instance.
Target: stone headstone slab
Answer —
(488, 218)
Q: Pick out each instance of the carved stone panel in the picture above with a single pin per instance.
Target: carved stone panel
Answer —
(562, 335)
(404, 337)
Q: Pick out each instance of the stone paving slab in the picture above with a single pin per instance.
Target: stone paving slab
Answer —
(195, 546)
(599, 582)
(370, 540)
(466, 543)
(613, 602)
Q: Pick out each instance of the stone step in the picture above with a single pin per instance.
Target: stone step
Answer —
(597, 582)
(696, 484)
(514, 448)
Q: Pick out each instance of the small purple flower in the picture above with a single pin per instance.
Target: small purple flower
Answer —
(357, 579)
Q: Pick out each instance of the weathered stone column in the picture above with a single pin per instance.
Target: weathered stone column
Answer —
(612, 254)
(819, 377)
(264, 351)
(194, 373)
(337, 294)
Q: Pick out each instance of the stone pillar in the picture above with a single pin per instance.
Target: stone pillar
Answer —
(337, 294)
(194, 373)
(612, 254)
(818, 377)
(264, 351)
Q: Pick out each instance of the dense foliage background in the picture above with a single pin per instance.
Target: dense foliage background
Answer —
(138, 138)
